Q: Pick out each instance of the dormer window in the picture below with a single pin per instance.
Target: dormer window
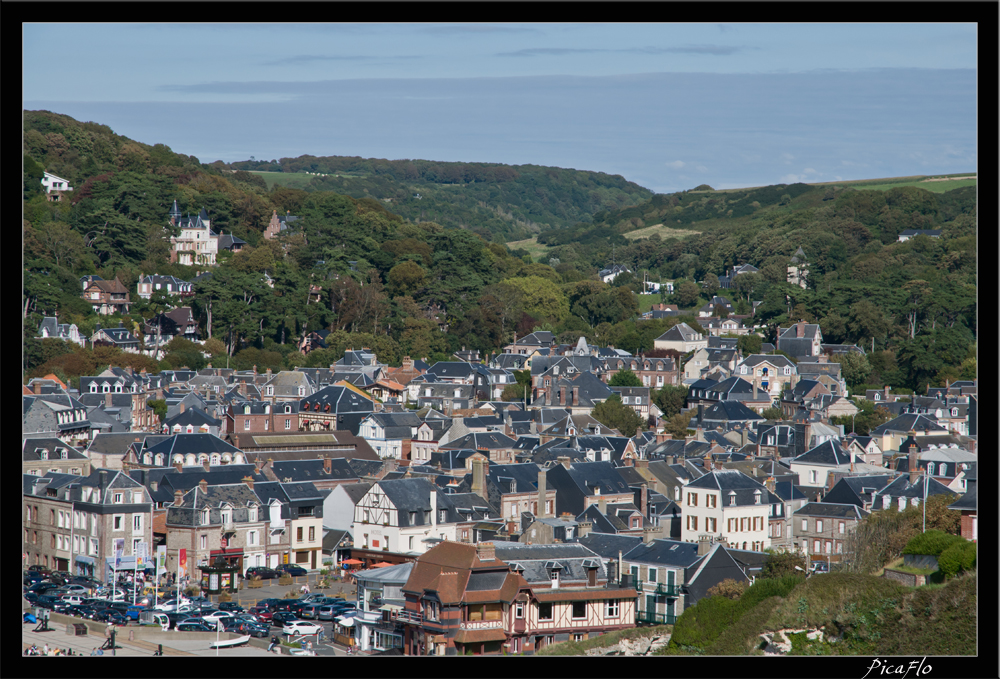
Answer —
(732, 498)
(270, 391)
(756, 497)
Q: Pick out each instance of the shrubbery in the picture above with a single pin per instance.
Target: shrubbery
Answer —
(932, 543)
(960, 556)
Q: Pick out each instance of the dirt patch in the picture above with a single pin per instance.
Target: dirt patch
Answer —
(948, 179)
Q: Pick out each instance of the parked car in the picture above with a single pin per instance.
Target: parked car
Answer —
(254, 629)
(230, 606)
(194, 626)
(213, 616)
(820, 567)
(30, 597)
(80, 611)
(52, 603)
(295, 627)
(31, 577)
(72, 599)
(326, 612)
(70, 588)
(268, 603)
(281, 617)
(42, 587)
(261, 572)
(261, 613)
(292, 569)
(110, 615)
(309, 611)
(86, 581)
(39, 568)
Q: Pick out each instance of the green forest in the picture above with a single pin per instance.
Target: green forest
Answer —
(405, 284)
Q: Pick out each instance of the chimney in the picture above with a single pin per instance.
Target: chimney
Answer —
(153, 485)
(707, 462)
(434, 507)
(203, 484)
(256, 466)
(548, 396)
(486, 551)
(564, 461)
(643, 492)
(701, 413)
(542, 488)
(583, 528)
(178, 466)
(249, 481)
(182, 406)
(602, 503)
(107, 400)
(649, 533)
(37, 387)
(704, 545)
(885, 397)
(769, 483)
(612, 567)
(327, 465)
(255, 369)
(205, 464)
(800, 329)
(562, 396)
(576, 396)
(479, 477)
(671, 459)
(268, 372)
(914, 465)
(699, 433)
(178, 498)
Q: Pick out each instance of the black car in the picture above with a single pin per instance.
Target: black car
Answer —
(31, 577)
(81, 611)
(269, 604)
(281, 617)
(254, 629)
(195, 626)
(110, 615)
(262, 572)
(30, 597)
(231, 607)
(42, 587)
(292, 569)
(52, 603)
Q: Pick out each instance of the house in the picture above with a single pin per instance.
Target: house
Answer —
(968, 506)
(890, 435)
(652, 372)
(798, 269)
(705, 359)
(815, 465)
(772, 373)
(380, 590)
(826, 373)
(192, 420)
(609, 274)
(542, 339)
(192, 449)
(681, 338)
(390, 434)
(78, 523)
(864, 448)
(497, 446)
(50, 327)
(716, 301)
(339, 406)
(907, 234)
(43, 455)
(801, 395)
(409, 515)
(726, 282)
(822, 529)
(581, 484)
(179, 322)
(729, 504)
(54, 186)
(107, 297)
(339, 505)
(287, 385)
(55, 415)
(170, 284)
(231, 243)
(801, 340)
(278, 224)
(858, 490)
(197, 244)
(716, 327)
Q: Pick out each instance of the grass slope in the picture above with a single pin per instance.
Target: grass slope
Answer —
(603, 641)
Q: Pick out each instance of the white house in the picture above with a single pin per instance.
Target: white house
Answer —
(682, 338)
(730, 505)
(54, 186)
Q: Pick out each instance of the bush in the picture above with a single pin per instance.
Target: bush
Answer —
(959, 557)
(933, 543)
(728, 588)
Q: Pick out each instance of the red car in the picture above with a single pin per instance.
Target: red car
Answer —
(262, 613)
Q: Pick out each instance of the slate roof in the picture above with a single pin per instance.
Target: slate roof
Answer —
(732, 481)
(664, 553)
(832, 510)
(31, 449)
(828, 453)
(901, 487)
(491, 440)
(777, 360)
(193, 416)
(727, 411)
(607, 545)
(682, 332)
(182, 444)
(313, 469)
(905, 423)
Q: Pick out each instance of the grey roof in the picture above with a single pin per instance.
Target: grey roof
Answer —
(735, 483)
(826, 453)
(183, 444)
(905, 423)
(398, 573)
(31, 449)
(491, 440)
(607, 545)
(485, 581)
(727, 411)
(313, 470)
(341, 400)
(664, 553)
(193, 416)
(832, 510)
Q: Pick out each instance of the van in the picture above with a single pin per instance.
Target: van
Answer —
(72, 599)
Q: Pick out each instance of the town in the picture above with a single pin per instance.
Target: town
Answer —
(485, 504)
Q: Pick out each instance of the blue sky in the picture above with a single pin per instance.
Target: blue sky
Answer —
(668, 106)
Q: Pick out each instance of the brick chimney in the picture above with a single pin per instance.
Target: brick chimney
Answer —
(479, 477)
(704, 545)
(249, 481)
(913, 465)
(182, 406)
(256, 466)
(800, 329)
(602, 503)
(407, 364)
(643, 493)
(206, 465)
(701, 413)
(434, 507)
(769, 483)
(203, 484)
(178, 498)
(649, 533)
(576, 396)
(699, 433)
(107, 400)
(562, 396)
(178, 466)
(542, 488)
(564, 461)
(486, 551)
(37, 387)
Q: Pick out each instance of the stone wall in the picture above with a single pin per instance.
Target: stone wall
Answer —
(920, 561)
(908, 579)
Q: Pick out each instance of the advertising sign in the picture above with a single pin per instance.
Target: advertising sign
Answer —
(161, 560)
(182, 564)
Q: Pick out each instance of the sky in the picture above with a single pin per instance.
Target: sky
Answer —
(668, 106)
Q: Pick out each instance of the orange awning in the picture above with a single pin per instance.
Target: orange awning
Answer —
(382, 564)
(352, 561)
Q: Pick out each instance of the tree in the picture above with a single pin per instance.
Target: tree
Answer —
(624, 378)
(159, 407)
(917, 293)
(686, 294)
(513, 392)
(405, 278)
(728, 588)
(772, 414)
(678, 425)
(617, 415)
(781, 563)
(670, 399)
(63, 244)
(750, 344)
(711, 285)
(854, 367)
(541, 298)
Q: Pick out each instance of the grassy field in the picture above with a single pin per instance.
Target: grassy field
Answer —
(938, 183)
(534, 248)
(646, 302)
(663, 231)
(294, 180)
(933, 186)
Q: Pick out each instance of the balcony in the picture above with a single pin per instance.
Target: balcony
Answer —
(643, 617)
(410, 617)
(481, 624)
(667, 590)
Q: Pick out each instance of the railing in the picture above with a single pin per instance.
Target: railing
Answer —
(668, 590)
(411, 617)
(655, 618)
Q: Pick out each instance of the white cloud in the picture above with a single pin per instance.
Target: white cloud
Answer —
(702, 168)
(809, 170)
(792, 179)
(677, 164)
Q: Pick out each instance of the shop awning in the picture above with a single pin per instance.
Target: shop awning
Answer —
(84, 559)
(382, 564)
(345, 622)
(353, 562)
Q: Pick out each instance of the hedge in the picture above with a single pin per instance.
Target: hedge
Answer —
(933, 543)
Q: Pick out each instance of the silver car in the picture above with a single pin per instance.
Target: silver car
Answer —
(325, 612)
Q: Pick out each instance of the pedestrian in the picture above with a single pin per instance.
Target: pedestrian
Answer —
(45, 649)
(94, 652)
(274, 642)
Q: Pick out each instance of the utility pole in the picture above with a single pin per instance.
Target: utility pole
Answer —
(925, 500)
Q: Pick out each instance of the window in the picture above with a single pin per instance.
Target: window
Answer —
(119, 522)
(756, 497)
(638, 399)
(545, 611)
(841, 527)
(252, 514)
(612, 609)
(710, 525)
(812, 476)
(119, 498)
(203, 542)
(246, 424)
(205, 518)
(625, 400)
(298, 532)
(815, 546)
(252, 537)
(828, 546)
(312, 533)
(270, 391)
(288, 424)
(554, 574)
(267, 425)
(135, 545)
(692, 499)
(137, 523)
(710, 500)
(519, 610)
(840, 547)
(579, 610)
(651, 575)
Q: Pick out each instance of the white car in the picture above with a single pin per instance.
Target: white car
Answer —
(171, 606)
(215, 616)
(296, 627)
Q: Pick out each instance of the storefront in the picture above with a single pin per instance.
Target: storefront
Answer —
(221, 576)
(84, 565)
